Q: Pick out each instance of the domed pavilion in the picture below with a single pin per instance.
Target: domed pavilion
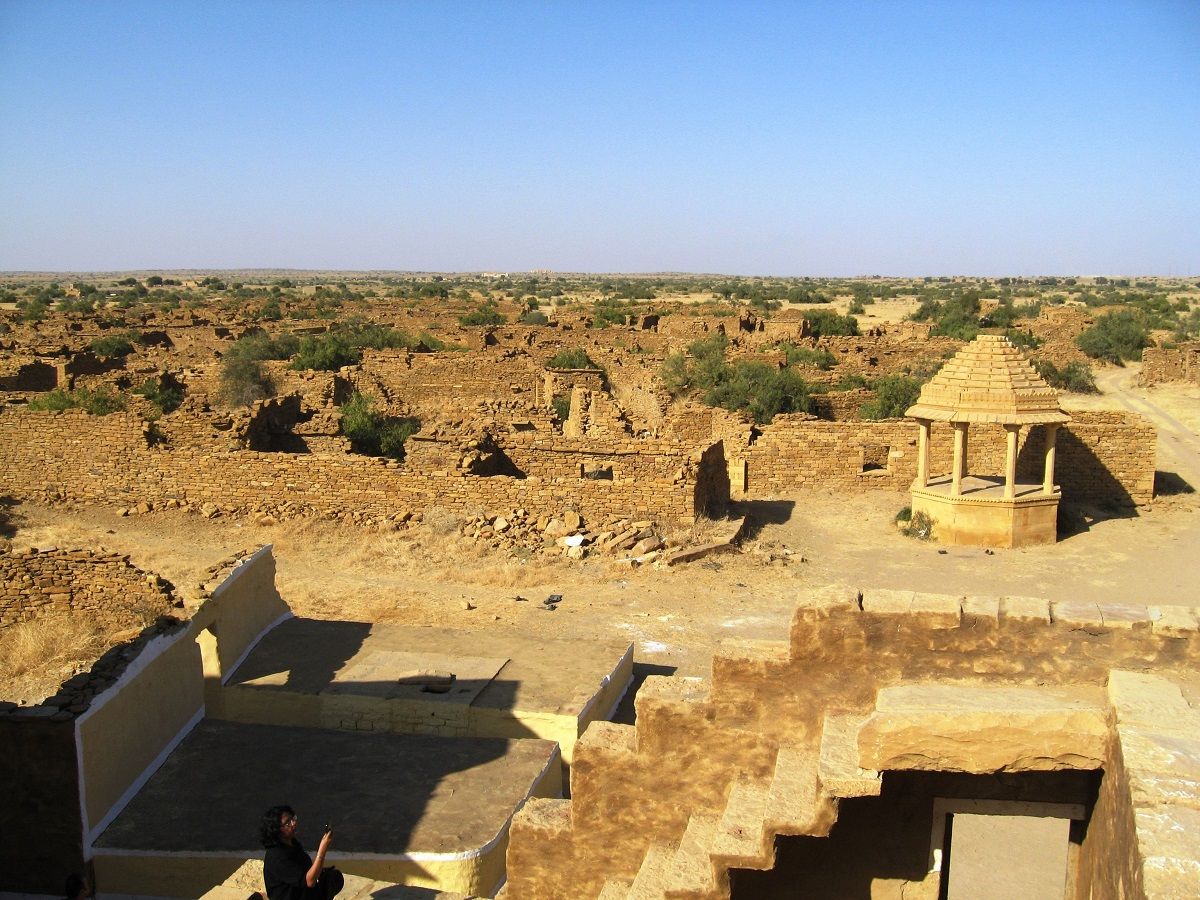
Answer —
(989, 382)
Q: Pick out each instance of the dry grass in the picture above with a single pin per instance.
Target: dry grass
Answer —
(702, 531)
(37, 656)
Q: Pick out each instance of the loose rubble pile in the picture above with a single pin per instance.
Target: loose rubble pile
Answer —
(636, 543)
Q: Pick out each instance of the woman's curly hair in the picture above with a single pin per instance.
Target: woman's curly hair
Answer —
(269, 830)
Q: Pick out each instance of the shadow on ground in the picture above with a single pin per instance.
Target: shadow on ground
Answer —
(8, 518)
(760, 513)
(1169, 484)
(1078, 518)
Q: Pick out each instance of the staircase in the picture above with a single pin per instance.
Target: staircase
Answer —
(665, 809)
(716, 768)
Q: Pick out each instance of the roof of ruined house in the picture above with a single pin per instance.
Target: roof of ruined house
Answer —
(989, 380)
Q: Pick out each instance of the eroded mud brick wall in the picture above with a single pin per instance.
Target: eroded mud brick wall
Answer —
(1180, 363)
(100, 584)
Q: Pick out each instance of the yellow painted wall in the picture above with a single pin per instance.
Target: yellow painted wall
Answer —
(124, 735)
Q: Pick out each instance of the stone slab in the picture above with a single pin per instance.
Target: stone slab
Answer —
(985, 728)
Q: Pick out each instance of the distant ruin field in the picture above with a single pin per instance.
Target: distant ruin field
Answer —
(446, 387)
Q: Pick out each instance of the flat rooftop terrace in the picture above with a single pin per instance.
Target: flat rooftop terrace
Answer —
(371, 677)
(404, 797)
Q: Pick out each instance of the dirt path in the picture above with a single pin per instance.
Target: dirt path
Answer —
(1178, 443)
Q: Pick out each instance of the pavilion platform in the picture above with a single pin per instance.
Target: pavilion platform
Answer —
(424, 811)
(982, 515)
(392, 678)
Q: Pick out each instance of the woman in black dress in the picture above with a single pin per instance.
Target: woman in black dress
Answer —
(290, 873)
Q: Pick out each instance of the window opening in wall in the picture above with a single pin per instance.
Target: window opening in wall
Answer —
(875, 457)
(210, 659)
(599, 473)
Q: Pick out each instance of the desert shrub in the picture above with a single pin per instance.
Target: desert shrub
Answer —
(244, 380)
(575, 358)
(1115, 337)
(533, 317)
(112, 346)
(99, 402)
(957, 316)
(805, 356)
(904, 515)
(1189, 326)
(893, 395)
(166, 397)
(856, 308)
(562, 406)
(824, 322)
(372, 433)
(1025, 339)
(919, 526)
(33, 310)
(761, 390)
(263, 346)
(850, 383)
(1075, 376)
(486, 314)
(326, 353)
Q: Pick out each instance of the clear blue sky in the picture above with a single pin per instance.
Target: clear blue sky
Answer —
(755, 138)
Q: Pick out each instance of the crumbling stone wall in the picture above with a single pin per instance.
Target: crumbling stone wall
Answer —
(841, 406)
(1180, 363)
(101, 584)
(110, 459)
(27, 375)
(1103, 457)
(424, 379)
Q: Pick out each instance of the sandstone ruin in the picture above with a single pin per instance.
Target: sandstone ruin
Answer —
(855, 757)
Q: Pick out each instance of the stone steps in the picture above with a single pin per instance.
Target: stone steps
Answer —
(796, 803)
(838, 768)
(651, 880)
(741, 840)
(691, 876)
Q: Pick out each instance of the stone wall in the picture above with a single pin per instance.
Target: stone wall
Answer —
(102, 585)
(1103, 457)
(110, 459)
(1180, 363)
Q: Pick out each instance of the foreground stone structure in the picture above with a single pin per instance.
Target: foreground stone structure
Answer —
(845, 736)
(988, 382)
(425, 746)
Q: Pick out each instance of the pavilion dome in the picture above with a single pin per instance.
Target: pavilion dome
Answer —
(989, 381)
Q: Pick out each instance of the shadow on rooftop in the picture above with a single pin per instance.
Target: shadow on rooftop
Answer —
(626, 713)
